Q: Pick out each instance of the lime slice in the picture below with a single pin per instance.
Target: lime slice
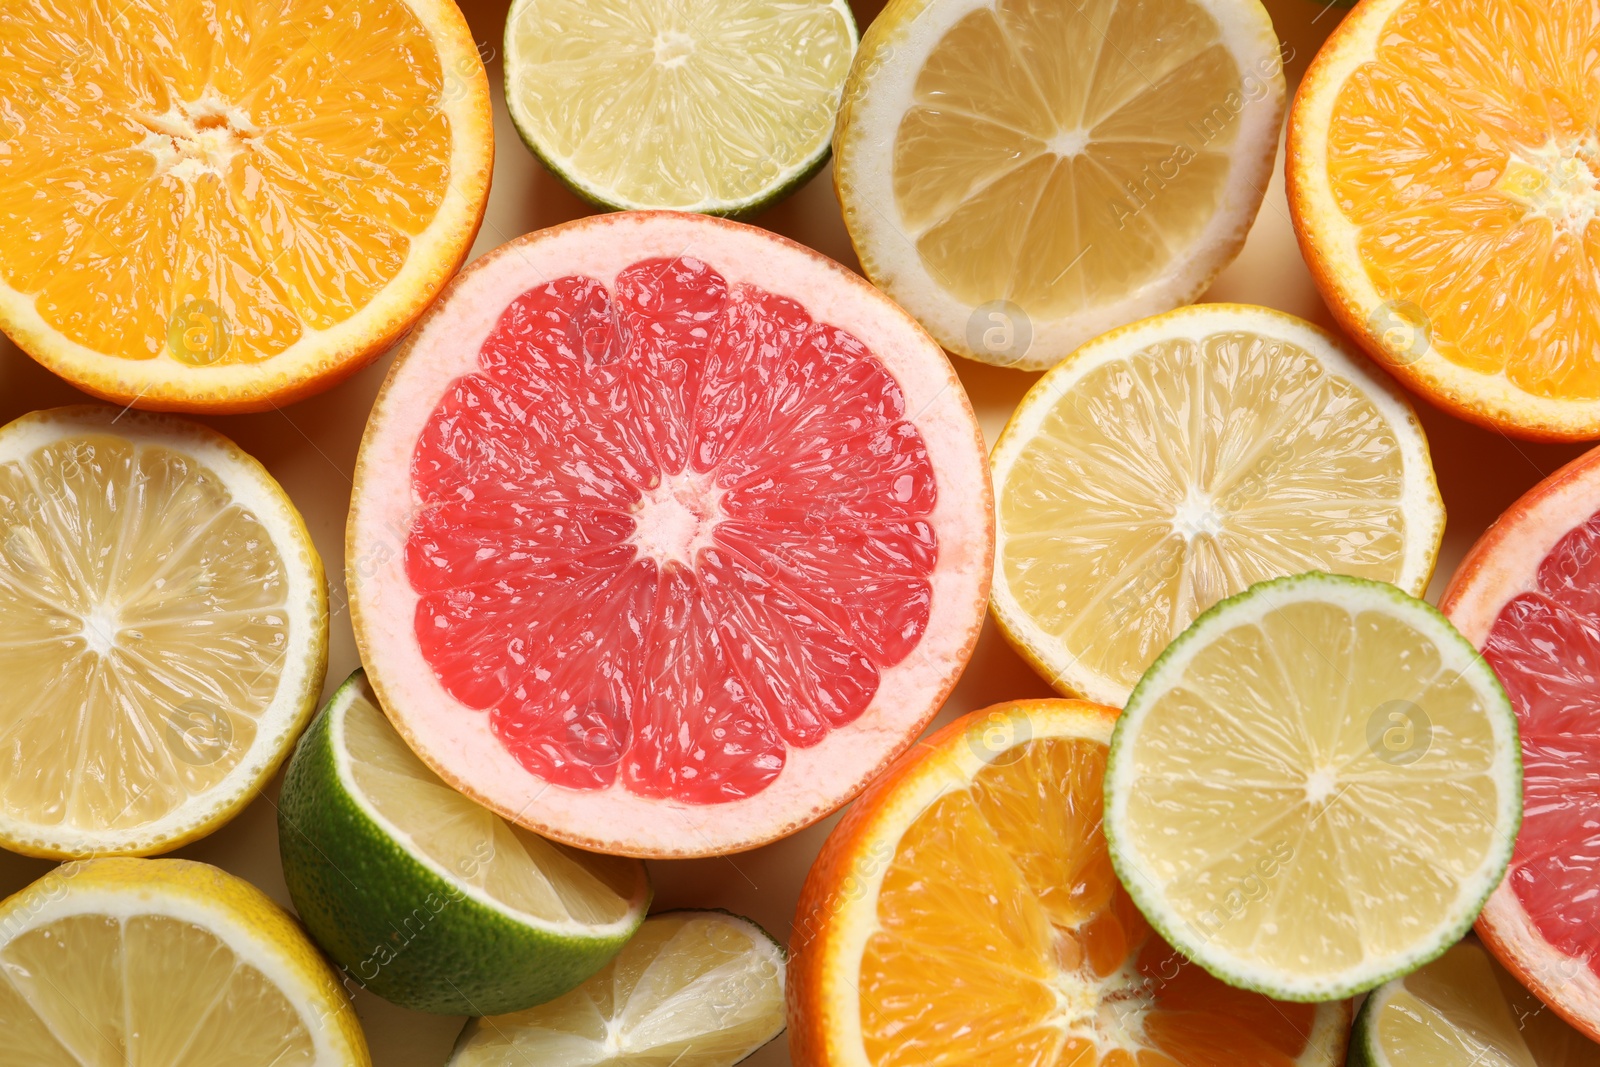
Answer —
(718, 106)
(426, 898)
(170, 962)
(692, 989)
(1315, 788)
(1463, 1008)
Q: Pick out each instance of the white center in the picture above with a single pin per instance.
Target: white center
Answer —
(1108, 1011)
(99, 631)
(197, 137)
(1069, 142)
(674, 520)
(1558, 181)
(1320, 784)
(1197, 515)
(673, 48)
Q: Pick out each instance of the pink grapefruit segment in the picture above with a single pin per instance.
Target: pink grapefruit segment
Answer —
(658, 513)
(1528, 594)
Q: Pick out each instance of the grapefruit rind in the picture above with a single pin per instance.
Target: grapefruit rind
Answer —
(458, 744)
(1257, 601)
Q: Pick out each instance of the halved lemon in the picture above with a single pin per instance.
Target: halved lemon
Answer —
(1315, 788)
(965, 912)
(169, 962)
(1444, 180)
(1022, 175)
(1170, 464)
(228, 206)
(163, 631)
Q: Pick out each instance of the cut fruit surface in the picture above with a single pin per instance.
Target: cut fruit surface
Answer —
(1444, 178)
(1022, 175)
(1180, 460)
(228, 206)
(1463, 1008)
(1315, 788)
(163, 631)
(1528, 594)
(127, 961)
(692, 989)
(730, 104)
(496, 919)
(965, 911)
(667, 534)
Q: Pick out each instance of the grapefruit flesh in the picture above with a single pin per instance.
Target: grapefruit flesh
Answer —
(672, 527)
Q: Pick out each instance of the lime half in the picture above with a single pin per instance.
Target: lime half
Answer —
(692, 989)
(717, 106)
(1315, 787)
(424, 897)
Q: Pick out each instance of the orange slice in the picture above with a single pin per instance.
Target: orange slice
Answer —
(1444, 178)
(966, 912)
(223, 205)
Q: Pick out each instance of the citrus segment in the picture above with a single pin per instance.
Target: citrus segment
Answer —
(221, 212)
(683, 524)
(163, 631)
(1180, 460)
(734, 100)
(1317, 746)
(1070, 168)
(165, 961)
(693, 989)
(966, 911)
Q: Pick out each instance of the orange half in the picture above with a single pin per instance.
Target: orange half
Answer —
(965, 912)
(222, 205)
(1444, 179)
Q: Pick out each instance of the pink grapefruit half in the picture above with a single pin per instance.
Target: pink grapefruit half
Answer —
(1528, 595)
(667, 534)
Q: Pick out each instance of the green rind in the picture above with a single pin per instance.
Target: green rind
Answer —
(1364, 1050)
(1141, 895)
(739, 210)
(392, 924)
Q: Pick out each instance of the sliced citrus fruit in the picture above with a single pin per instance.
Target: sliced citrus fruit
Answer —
(965, 911)
(692, 989)
(1528, 594)
(1180, 460)
(491, 918)
(1022, 175)
(721, 106)
(1444, 177)
(667, 534)
(1463, 1009)
(1315, 788)
(113, 961)
(228, 206)
(163, 631)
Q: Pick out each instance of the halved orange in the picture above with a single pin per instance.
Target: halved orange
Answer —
(222, 205)
(965, 912)
(1444, 179)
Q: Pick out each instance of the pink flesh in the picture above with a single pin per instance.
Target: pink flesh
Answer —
(596, 663)
(1545, 646)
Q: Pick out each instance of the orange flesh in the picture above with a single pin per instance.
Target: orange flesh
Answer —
(1465, 155)
(1005, 941)
(214, 178)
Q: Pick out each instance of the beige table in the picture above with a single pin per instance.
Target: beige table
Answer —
(311, 447)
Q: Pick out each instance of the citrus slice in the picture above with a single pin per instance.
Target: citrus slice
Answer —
(1443, 177)
(163, 631)
(1170, 464)
(1528, 594)
(1315, 788)
(491, 918)
(113, 961)
(965, 911)
(1022, 175)
(226, 207)
(721, 106)
(667, 534)
(692, 989)
(1463, 1009)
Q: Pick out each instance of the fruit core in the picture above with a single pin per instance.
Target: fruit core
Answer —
(670, 529)
(1558, 181)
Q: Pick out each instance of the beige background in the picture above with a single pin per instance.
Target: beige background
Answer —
(311, 446)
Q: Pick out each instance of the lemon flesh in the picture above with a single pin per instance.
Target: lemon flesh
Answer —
(1315, 788)
(693, 989)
